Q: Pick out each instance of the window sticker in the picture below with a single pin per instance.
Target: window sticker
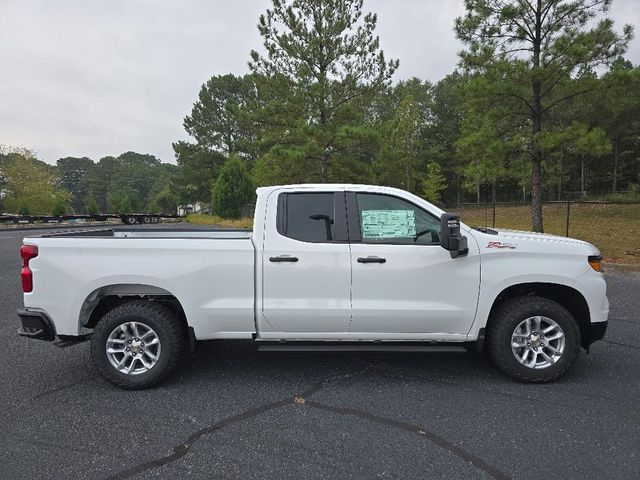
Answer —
(388, 223)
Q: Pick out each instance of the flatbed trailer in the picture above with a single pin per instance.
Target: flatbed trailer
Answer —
(126, 218)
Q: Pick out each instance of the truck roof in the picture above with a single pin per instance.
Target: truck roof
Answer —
(324, 187)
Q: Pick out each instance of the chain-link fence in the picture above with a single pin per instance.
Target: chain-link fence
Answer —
(613, 227)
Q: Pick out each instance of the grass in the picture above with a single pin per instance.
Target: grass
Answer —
(219, 221)
(613, 228)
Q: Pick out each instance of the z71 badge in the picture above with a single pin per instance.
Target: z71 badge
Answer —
(500, 245)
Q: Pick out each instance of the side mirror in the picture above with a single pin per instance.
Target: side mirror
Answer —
(450, 238)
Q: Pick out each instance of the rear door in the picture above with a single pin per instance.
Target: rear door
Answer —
(306, 266)
(404, 283)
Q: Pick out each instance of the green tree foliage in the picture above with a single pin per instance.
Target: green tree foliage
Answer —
(164, 196)
(198, 170)
(219, 120)
(131, 181)
(326, 51)
(434, 182)
(60, 207)
(526, 54)
(397, 162)
(30, 185)
(233, 189)
(92, 206)
(74, 174)
(99, 179)
(619, 116)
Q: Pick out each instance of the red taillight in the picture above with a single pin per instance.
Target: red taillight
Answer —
(27, 252)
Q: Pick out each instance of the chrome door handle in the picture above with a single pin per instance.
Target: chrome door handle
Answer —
(371, 259)
(283, 258)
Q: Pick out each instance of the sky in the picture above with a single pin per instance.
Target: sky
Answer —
(102, 77)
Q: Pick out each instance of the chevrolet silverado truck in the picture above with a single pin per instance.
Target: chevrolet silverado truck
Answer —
(325, 267)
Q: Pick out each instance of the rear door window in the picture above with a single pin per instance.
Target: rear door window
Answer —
(308, 217)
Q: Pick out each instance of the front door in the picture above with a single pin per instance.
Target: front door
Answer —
(404, 283)
(306, 267)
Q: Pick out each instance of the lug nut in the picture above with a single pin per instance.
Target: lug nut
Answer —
(128, 341)
(128, 349)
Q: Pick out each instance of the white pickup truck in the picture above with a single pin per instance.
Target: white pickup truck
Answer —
(326, 267)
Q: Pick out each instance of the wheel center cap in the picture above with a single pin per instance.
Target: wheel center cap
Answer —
(535, 341)
(136, 346)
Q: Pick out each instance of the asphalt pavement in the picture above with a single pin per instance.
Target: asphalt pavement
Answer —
(231, 412)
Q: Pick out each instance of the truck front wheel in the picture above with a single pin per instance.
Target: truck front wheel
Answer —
(533, 339)
(137, 344)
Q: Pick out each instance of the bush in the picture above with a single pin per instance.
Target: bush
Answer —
(232, 190)
(60, 208)
(24, 209)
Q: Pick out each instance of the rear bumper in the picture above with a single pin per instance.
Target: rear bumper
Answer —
(36, 325)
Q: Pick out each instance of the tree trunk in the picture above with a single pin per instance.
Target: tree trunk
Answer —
(324, 168)
(536, 117)
(493, 191)
(560, 179)
(615, 165)
(406, 178)
(477, 192)
(582, 192)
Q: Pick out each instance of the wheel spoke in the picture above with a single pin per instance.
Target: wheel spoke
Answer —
(150, 333)
(133, 362)
(534, 359)
(547, 357)
(555, 336)
(116, 340)
(155, 341)
(134, 329)
(151, 355)
(550, 328)
(524, 356)
(536, 324)
(146, 364)
(554, 350)
(122, 362)
(527, 327)
(114, 350)
(125, 329)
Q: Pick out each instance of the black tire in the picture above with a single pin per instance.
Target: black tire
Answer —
(170, 331)
(509, 315)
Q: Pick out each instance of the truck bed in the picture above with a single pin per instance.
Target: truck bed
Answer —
(210, 272)
(214, 233)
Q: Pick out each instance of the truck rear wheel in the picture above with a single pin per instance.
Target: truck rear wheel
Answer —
(137, 344)
(533, 339)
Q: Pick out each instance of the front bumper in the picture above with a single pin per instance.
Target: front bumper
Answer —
(36, 325)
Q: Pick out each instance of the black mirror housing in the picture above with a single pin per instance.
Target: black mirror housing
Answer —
(450, 238)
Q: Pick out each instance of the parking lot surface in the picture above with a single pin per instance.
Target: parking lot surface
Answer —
(231, 412)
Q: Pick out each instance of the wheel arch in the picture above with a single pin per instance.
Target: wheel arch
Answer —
(567, 296)
(105, 298)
